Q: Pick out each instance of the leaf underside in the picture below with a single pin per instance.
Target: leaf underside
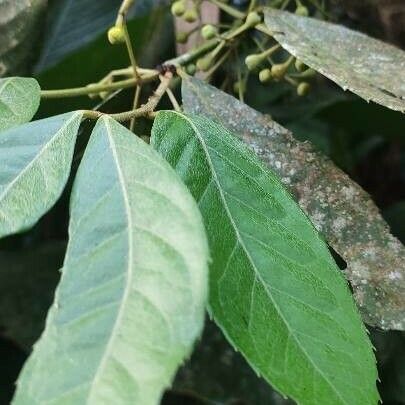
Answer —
(275, 291)
(19, 101)
(368, 67)
(339, 208)
(68, 28)
(36, 159)
(134, 282)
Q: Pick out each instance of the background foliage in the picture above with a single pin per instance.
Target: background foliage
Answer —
(365, 140)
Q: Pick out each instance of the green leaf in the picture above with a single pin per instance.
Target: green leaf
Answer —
(35, 164)
(274, 288)
(339, 208)
(69, 26)
(20, 27)
(131, 299)
(19, 101)
(369, 68)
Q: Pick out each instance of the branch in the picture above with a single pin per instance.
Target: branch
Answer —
(144, 110)
(123, 11)
(97, 88)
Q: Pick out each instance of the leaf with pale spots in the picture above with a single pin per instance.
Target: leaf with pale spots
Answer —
(339, 208)
(366, 66)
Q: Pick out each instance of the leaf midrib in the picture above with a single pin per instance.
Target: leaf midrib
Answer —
(3, 195)
(129, 271)
(239, 240)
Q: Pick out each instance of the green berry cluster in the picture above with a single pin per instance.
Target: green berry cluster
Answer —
(179, 9)
(291, 70)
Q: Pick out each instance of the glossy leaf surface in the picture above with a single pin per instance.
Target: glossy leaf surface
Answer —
(338, 207)
(275, 290)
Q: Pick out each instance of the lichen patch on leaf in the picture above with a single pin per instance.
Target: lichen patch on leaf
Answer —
(338, 207)
(368, 67)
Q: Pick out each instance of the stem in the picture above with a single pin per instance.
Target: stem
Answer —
(270, 51)
(194, 54)
(145, 110)
(123, 11)
(240, 90)
(220, 61)
(149, 76)
(303, 75)
(218, 49)
(97, 88)
(173, 100)
(252, 5)
(131, 52)
(151, 104)
(233, 12)
(285, 4)
(135, 106)
(290, 80)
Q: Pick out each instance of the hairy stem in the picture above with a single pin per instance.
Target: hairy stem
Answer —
(173, 99)
(144, 110)
(135, 105)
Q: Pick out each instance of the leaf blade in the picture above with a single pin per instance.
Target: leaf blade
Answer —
(353, 60)
(72, 16)
(19, 101)
(133, 286)
(36, 160)
(340, 209)
(302, 303)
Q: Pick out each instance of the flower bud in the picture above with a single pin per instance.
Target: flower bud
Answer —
(208, 31)
(265, 75)
(252, 19)
(116, 35)
(303, 89)
(254, 60)
(204, 63)
(302, 11)
(191, 69)
(190, 15)
(278, 71)
(178, 8)
(181, 37)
